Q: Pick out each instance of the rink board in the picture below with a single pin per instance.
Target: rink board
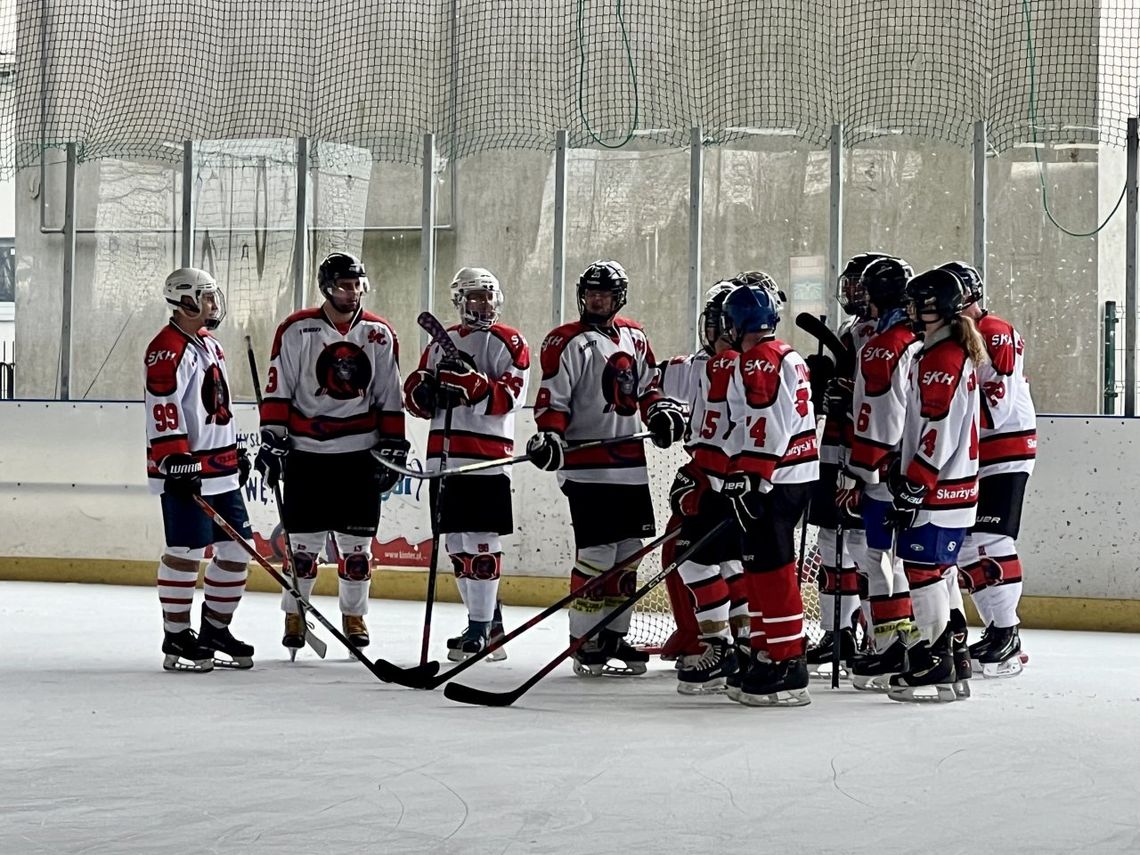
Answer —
(76, 508)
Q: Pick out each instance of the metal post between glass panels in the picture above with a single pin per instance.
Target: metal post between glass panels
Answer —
(696, 207)
(427, 232)
(558, 280)
(188, 203)
(68, 275)
(835, 227)
(980, 204)
(301, 225)
(1130, 281)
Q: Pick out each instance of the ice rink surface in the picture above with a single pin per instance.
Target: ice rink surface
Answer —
(104, 752)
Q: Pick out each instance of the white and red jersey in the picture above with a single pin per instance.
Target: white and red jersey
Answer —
(187, 405)
(940, 440)
(334, 388)
(484, 430)
(854, 333)
(596, 385)
(769, 400)
(681, 378)
(1008, 424)
(710, 424)
(879, 405)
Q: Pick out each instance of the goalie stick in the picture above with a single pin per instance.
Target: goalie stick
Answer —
(591, 585)
(381, 669)
(470, 695)
(319, 647)
(818, 329)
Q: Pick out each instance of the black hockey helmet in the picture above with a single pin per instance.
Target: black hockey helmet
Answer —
(885, 280)
(970, 277)
(712, 316)
(849, 293)
(602, 276)
(936, 292)
(340, 265)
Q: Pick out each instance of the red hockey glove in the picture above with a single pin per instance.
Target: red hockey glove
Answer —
(459, 378)
(421, 393)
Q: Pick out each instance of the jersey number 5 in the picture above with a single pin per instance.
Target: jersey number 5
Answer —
(165, 417)
(708, 429)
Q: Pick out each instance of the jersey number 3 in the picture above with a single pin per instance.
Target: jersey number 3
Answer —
(165, 417)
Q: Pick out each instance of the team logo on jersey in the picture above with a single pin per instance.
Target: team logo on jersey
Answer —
(619, 384)
(216, 397)
(343, 371)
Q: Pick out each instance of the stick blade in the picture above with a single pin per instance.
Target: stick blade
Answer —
(479, 697)
(410, 678)
(319, 647)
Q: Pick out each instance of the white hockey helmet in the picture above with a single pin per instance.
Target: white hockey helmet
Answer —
(190, 283)
(477, 280)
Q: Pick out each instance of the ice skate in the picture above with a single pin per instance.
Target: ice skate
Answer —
(1002, 658)
(294, 637)
(237, 654)
(819, 655)
(633, 661)
(733, 680)
(589, 659)
(962, 668)
(872, 673)
(356, 629)
(706, 673)
(781, 684)
(184, 653)
(471, 641)
(930, 677)
(497, 632)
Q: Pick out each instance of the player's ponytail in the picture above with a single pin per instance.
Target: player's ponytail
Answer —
(964, 331)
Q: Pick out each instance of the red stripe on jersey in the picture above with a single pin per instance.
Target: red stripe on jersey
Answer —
(274, 411)
(472, 446)
(959, 493)
(551, 420)
(618, 456)
(515, 344)
(165, 445)
(758, 464)
(1008, 446)
(390, 425)
(868, 454)
(324, 427)
(922, 473)
(304, 314)
(712, 461)
(801, 449)
(503, 395)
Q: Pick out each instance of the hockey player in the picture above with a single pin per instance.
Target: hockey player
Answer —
(599, 382)
(935, 484)
(879, 409)
(484, 388)
(991, 570)
(774, 460)
(822, 512)
(331, 397)
(713, 577)
(192, 450)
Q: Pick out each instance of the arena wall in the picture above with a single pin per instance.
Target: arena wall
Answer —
(76, 509)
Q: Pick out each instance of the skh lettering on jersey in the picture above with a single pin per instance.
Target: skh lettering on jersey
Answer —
(157, 356)
(930, 378)
(761, 365)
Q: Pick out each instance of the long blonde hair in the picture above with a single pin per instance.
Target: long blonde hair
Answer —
(964, 331)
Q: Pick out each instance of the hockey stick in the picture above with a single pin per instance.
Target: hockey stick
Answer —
(470, 695)
(381, 669)
(430, 323)
(508, 461)
(590, 585)
(319, 647)
(807, 510)
(837, 595)
(818, 329)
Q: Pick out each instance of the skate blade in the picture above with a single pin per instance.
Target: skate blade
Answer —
(458, 656)
(943, 694)
(237, 663)
(627, 669)
(1002, 670)
(961, 690)
(879, 683)
(587, 670)
(715, 686)
(292, 654)
(732, 693)
(498, 654)
(786, 698)
(173, 662)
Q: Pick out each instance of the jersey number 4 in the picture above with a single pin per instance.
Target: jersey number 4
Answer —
(165, 417)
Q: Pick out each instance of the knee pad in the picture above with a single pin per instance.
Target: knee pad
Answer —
(185, 553)
(229, 551)
(355, 567)
(461, 565)
(486, 565)
(305, 563)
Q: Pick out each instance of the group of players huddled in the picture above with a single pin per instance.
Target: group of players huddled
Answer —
(916, 486)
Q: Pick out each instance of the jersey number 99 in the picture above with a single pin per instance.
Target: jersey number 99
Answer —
(165, 417)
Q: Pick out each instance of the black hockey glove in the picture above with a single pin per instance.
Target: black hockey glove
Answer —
(244, 467)
(459, 380)
(422, 394)
(821, 370)
(666, 421)
(746, 492)
(183, 475)
(688, 488)
(837, 397)
(907, 500)
(394, 452)
(547, 451)
(271, 457)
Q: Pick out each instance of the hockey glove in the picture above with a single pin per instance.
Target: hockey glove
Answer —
(422, 392)
(459, 379)
(746, 492)
(547, 451)
(849, 500)
(244, 467)
(271, 457)
(183, 475)
(394, 451)
(688, 488)
(907, 496)
(821, 371)
(837, 397)
(666, 421)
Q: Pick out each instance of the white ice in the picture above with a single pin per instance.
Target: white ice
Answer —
(103, 752)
